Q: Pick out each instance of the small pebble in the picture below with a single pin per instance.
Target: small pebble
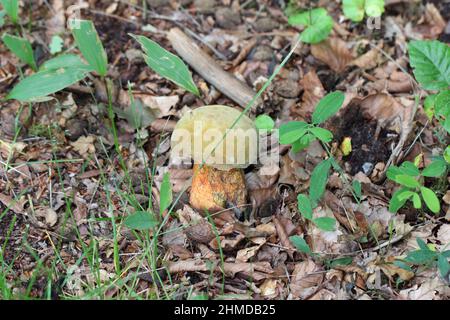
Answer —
(227, 18)
(367, 168)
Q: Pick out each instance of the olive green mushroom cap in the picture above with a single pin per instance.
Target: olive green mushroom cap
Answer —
(199, 135)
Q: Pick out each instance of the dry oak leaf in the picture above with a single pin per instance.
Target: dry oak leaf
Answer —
(306, 279)
(313, 92)
(370, 59)
(84, 145)
(334, 53)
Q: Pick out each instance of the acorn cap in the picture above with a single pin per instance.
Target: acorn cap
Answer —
(199, 135)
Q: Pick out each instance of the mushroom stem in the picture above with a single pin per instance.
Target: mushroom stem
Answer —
(214, 190)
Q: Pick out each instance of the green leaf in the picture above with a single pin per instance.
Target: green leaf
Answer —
(325, 223)
(422, 244)
(357, 189)
(431, 200)
(431, 63)
(46, 82)
(402, 265)
(166, 64)
(141, 220)
(21, 48)
(429, 106)
(406, 168)
(264, 122)
(435, 169)
(318, 24)
(398, 200)
(447, 154)
(328, 106)
(443, 266)
(340, 262)
(304, 206)
(90, 45)
(409, 169)
(2, 18)
(322, 134)
(420, 256)
(374, 8)
(416, 201)
(165, 194)
(407, 181)
(65, 61)
(292, 131)
(354, 9)
(12, 9)
(303, 143)
(300, 244)
(56, 44)
(319, 178)
(442, 103)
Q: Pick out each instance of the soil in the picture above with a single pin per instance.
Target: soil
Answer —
(366, 147)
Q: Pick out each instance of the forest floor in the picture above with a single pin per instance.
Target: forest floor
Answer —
(64, 193)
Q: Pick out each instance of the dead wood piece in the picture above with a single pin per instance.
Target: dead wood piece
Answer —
(208, 68)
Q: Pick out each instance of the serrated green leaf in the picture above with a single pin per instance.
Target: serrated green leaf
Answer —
(166, 64)
(325, 223)
(431, 63)
(90, 45)
(442, 103)
(165, 194)
(304, 206)
(354, 9)
(21, 48)
(141, 220)
(46, 82)
(319, 178)
(327, 107)
(300, 244)
(322, 134)
(292, 131)
(318, 24)
(264, 122)
(429, 106)
(431, 200)
(12, 9)
(435, 169)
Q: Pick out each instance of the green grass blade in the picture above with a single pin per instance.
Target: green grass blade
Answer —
(12, 9)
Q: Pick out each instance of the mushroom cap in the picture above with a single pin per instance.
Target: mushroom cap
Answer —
(199, 135)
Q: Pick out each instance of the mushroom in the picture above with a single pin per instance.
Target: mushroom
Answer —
(219, 155)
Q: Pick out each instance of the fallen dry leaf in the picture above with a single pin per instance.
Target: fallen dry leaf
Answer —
(334, 53)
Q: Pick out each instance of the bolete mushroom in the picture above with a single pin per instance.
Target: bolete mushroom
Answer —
(221, 145)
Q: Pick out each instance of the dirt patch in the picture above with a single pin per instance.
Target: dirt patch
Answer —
(368, 146)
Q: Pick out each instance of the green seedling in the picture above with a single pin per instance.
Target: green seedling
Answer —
(317, 22)
(356, 10)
